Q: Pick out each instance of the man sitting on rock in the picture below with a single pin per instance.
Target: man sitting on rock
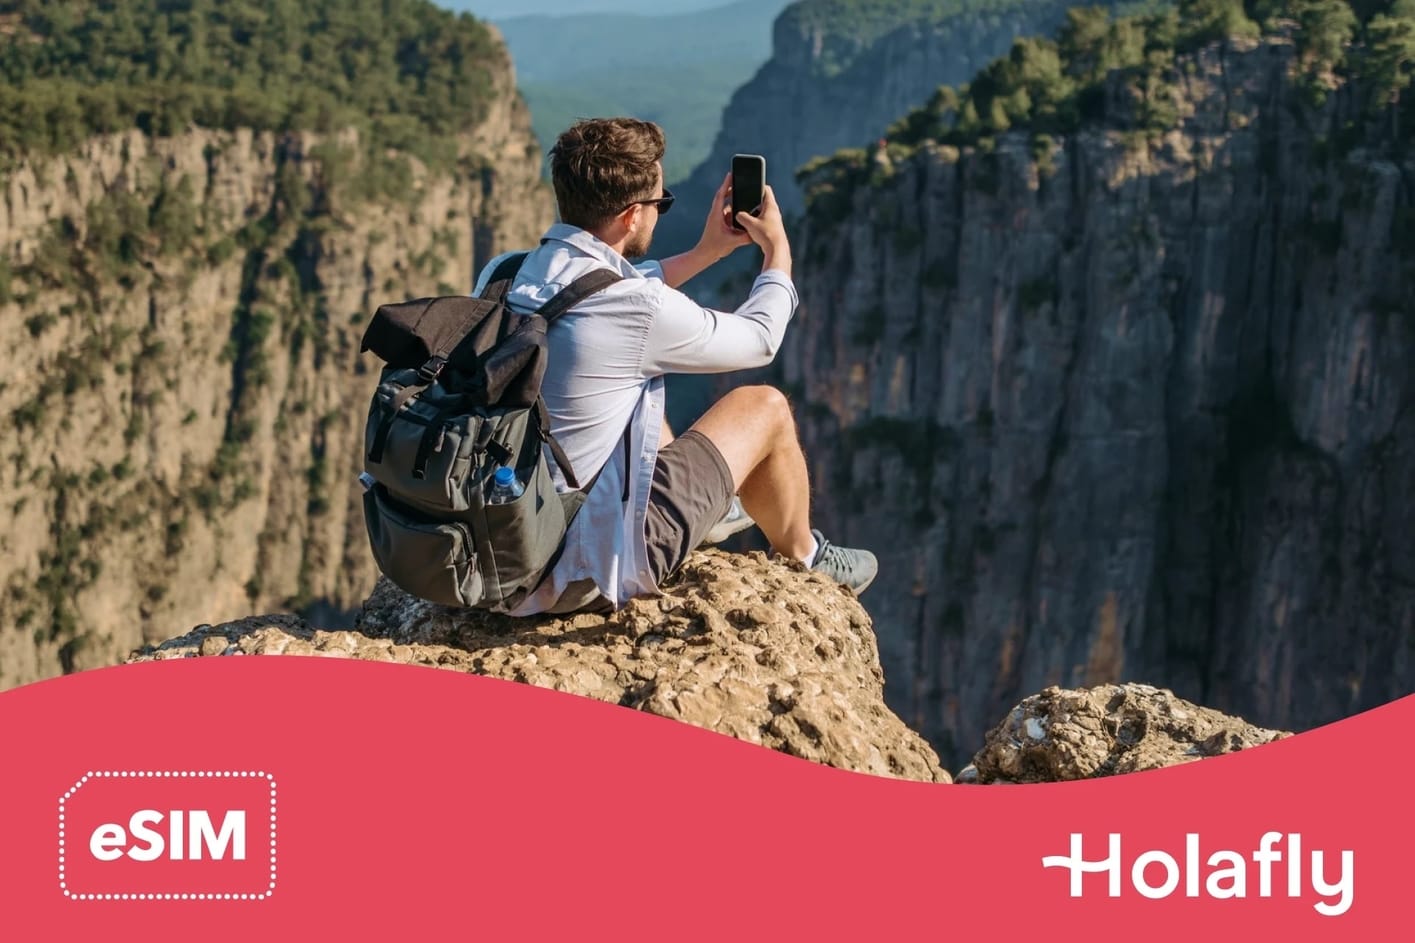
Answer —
(657, 496)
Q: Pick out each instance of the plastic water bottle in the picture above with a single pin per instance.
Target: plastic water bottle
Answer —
(504, 486)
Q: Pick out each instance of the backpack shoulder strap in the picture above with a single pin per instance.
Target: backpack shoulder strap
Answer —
(563, 300)
(542, 419)
(502, 276)
(577, 291)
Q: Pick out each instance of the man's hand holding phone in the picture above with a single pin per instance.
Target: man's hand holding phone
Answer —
(719, 238)
(768, 231)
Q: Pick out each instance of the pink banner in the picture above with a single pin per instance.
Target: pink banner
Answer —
(247, 798)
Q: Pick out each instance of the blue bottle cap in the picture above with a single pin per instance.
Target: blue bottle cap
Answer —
(504, 475)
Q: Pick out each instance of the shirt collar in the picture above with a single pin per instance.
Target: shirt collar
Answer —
(591, 245)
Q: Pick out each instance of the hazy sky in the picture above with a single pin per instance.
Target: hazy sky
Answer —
(501, 9)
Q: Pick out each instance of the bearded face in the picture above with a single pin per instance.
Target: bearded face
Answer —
(638, 244)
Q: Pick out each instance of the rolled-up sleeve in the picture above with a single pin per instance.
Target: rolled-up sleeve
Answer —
(685, 337)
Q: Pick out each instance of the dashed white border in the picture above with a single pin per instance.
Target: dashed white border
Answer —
(168, 774)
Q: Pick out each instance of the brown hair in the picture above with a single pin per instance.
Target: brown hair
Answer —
(601, 165)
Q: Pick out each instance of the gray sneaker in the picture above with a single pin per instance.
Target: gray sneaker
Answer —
(853, 569)
(734, 521)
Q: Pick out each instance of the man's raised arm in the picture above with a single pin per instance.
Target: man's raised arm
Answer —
(688, 338)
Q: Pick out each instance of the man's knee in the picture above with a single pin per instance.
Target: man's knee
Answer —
(767, 402)
(748, 425)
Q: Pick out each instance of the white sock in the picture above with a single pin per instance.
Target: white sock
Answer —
(810, 560)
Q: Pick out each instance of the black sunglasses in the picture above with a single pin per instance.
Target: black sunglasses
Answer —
(664, 203)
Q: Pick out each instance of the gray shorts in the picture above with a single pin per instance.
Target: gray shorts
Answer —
(692, 490)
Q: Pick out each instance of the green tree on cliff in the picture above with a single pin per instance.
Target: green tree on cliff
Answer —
(1390, 58)
(1207, 20)
(1390, 51)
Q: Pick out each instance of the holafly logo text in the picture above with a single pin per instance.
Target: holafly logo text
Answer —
(1220, 874)
(168, 835)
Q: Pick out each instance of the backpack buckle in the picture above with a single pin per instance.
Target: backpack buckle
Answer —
(428, 372)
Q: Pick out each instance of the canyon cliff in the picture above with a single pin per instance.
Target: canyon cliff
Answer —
(185, 398)
(1125, 403)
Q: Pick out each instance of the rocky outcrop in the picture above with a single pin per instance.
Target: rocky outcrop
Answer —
(1061, 735)
(1124, 406)
(770, 654)
(756, 649)
(184, 404)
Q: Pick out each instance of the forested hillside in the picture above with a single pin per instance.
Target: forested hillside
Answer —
(1052, 87)
(407, 75)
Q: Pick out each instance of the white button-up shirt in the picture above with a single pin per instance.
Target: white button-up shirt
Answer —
(607, 359)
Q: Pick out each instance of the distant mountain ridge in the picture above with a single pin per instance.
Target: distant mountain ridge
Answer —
(495, 9)
(563, 46)
(679, 70)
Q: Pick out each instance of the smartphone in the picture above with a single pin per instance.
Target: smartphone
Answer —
(748, 180)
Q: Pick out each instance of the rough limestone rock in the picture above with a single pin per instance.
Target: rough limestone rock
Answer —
(1063, 734)
(764, 652)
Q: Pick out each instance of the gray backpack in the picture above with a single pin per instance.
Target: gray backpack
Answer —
(458, 400)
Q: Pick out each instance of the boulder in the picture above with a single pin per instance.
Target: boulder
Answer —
(1063, 734)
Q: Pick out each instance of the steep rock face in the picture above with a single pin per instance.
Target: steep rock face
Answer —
(184, 400)
(769, 654)
(1138, 408)
(1060, 735)
(832, 82)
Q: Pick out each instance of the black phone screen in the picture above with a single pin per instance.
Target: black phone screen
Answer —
(748, 179)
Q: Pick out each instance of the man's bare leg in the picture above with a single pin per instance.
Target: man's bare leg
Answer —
(754, 430)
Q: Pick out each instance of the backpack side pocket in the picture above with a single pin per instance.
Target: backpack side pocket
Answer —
(523, 535)
(433, 560)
